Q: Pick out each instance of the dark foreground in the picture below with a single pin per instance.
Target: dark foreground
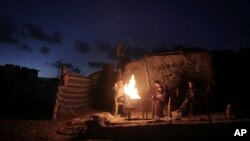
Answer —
(104, 126)
(196, 127)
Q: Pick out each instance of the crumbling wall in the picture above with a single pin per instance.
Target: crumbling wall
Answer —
(174, 69)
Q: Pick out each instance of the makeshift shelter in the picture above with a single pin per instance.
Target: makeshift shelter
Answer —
(73, 95)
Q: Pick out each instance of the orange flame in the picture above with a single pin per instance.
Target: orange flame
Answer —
(130, 89)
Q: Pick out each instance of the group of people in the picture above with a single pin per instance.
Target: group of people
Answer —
(165, 96)
(162, 97)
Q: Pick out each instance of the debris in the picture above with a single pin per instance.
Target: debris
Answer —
(73, 127)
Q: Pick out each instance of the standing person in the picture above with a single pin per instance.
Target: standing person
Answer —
(119, 96)
(191, 92)
(158, 99)
(188, 101)
(209, 101)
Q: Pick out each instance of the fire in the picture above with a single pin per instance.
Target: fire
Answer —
(130, 89)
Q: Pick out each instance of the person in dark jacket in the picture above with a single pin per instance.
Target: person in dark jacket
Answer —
(187, 105)
(158, 99)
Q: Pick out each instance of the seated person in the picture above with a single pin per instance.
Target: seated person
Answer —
(119, 95)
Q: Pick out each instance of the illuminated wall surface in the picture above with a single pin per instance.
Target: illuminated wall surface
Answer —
(175, 70)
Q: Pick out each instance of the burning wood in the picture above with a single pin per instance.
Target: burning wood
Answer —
(130, 89)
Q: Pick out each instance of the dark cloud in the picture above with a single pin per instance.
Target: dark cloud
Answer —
(36, 33)
(8, 32)
(58, 65)
(44, 50)
(106, 48)
(56, 38)
(23, 34)
(96, 64)
(103, 46)
(25, 47)
(81, 47)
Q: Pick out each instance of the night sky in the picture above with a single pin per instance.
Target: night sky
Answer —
(83, 33)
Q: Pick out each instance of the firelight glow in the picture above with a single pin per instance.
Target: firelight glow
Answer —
(130, 89)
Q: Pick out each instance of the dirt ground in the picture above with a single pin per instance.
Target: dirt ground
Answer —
(50, 130)
(36, 130)
(31, 130)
